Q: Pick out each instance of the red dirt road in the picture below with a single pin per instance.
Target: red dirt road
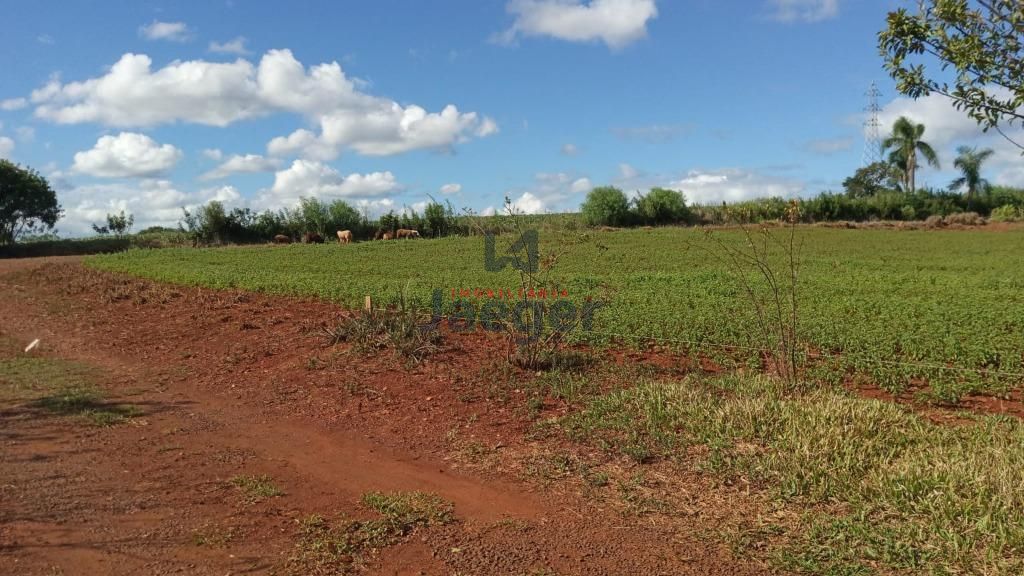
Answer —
(232, 383)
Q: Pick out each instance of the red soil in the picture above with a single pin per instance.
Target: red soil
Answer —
(234, 383)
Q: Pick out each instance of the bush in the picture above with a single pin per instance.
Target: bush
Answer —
(934, 221)
(606, 206)
(662, 206)
(1007, 213)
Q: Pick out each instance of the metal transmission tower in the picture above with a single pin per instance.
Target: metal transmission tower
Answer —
(872, 128)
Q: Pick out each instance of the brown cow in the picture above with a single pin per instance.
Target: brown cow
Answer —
(386, 236)
(282, 239)
(344, 236)
(378, 234)
(405, 233)
(312, 238)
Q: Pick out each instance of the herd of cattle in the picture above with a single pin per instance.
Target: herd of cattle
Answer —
(345, 236)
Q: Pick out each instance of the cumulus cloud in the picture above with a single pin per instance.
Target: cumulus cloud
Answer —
(569, 150)
(614, 22)
(550, 191)
(213, 153)
(452, 188)
(734, 185)
(173, 31)
(154, 202)
(311, 179)
(829, 146)
(6, 147)
(714, 186)
(249, 163)
(12, 104)
(235, 46)
(946, 129)
(126, 155)
(803, 10)
(131, 94)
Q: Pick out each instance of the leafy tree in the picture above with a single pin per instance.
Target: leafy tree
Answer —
(905, 143)
(343, 217)
(439, 219)
(969, 161)
(606, 205)
(117, 224)
(662, 206)
(873, 179)
(208, 224)
(979, 40)
(315, 215)
(389, 222)
(27, 203)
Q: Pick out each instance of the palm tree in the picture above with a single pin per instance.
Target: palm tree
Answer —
(969, 161)
(905, 142)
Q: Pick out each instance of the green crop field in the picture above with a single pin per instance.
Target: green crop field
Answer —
(900, 308)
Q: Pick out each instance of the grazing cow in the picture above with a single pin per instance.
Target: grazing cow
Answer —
(378, 234)
(282, 239)
(405, 233)
(386, 236)
(312, 238)
(344, 236)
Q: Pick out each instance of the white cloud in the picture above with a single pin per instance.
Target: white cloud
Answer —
(614, 22)
(311, 179)
(803, 10)
(581, 185)
(550, 191)
(453, 188)
(152, 202)
(235, 46)
(829, 146)
(733, 185)
(528, 204)
(250, 163)
(126, 155)
(569, 150)
(946, 129)
(213, 153)
(218, 94)
(173, 31)
(489, 211)
(11, 104)
(6, 147)
(627, 172)
(44, 39)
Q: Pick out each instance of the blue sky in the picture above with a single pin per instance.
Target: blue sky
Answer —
(152, 106)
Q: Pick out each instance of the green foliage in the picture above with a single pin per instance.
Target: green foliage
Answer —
(904, 144)
(1007, 213)
(117, 224)
(978, 46)
(27, 203)
(968, 162)
(872, 179)
(915, 496)
(606, 206)
(951, 302)
(662, 206)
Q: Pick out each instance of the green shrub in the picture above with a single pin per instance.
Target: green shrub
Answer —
(662, 206)
(1007, 213)
(606, 206)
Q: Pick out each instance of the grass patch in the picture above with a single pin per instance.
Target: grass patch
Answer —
(340, 549)
(916, 496)
(59, 387)
(256, 488)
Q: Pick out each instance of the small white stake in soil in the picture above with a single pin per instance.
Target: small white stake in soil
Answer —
(32, 345)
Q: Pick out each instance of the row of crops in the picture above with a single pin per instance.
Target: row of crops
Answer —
(899, 308)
